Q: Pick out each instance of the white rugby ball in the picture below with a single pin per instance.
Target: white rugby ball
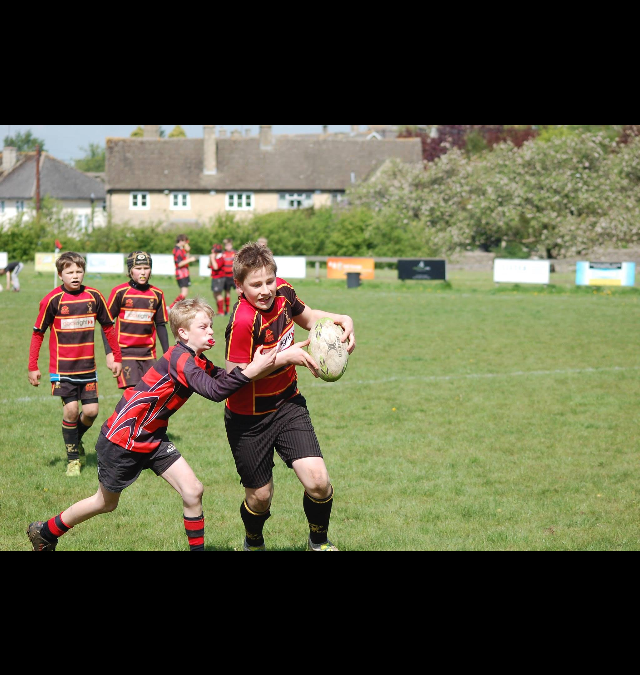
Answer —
(328, 350)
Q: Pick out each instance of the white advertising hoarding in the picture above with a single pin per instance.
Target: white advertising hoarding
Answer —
(4, 260)
(291, 267)
(163, 265)
(205, 270)
(105, 263)
(522, 272)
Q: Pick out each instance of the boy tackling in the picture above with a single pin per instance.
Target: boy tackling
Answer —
(135, 438)
(71, 311)
(272, 414)
(141, 313)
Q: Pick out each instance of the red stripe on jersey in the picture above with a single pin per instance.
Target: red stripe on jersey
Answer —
(180, 369)
(228, 257)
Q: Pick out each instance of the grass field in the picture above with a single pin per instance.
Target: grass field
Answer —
(471, 418)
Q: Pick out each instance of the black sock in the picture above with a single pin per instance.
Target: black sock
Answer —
(254, 524)
(82, 429)
(318, 514)
(70, 435)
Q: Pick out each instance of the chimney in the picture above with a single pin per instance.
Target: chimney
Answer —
(210, 150)
(266, 137)
(9, 158)
(355, 129)
(247, 133)
(151, 131)
(236, 134)
(325, 129)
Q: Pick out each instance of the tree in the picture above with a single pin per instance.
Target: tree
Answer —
(24, 142)
(178, 132)
(94, 159)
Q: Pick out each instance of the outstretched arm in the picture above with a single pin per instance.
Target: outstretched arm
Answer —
(308, 318)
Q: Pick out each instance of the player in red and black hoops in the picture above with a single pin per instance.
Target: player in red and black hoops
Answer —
(72, 311)
(216, 264)
(272, 414)
(228, 257)
(135, 437)
(182, 260)
(141, 313)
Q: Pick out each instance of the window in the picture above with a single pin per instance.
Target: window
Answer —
(180, 201)
(338, 198)
(239, 201)
(104, 206)
(140, 201)
(20, 206)
(295, 200)
(1, 207)
(82, 221)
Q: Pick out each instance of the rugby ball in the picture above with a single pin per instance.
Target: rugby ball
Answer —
(327, 349)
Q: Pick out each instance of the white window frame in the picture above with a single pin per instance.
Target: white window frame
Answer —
(83, 220)
(184, 201)
(1, 206)
(135, 196)
(240, 201)
(19, 206)
(294, 201)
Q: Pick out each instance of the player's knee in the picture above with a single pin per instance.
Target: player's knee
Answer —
(318, 484)
(192, 494)
(260, 500)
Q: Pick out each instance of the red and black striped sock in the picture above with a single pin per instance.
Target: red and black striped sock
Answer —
(194, 527)
(220, 307)
(54, 528)
(70, 435)
(318, 514)
(227, 304)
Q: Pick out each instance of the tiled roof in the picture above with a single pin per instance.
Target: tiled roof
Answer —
(292, 164)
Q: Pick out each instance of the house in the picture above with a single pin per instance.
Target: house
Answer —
(80, 194)
(185, 180)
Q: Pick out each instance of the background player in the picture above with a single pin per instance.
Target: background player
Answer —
(12, 270)
(182, 260)
(273, 414)
(71, 311)
(140, 312)
(228, 256)
(216, 263)
(135, 436)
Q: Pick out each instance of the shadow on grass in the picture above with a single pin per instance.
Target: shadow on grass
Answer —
(280, 549)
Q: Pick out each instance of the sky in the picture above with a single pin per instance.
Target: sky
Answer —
(65, 141)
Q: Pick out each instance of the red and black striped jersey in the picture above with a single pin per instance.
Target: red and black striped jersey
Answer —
(219, 273)
(138, 310)
(228, 257)
(180, 255)
(248, 329)
(140, 421)
(72, 317)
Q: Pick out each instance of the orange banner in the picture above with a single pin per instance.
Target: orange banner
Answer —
(337, 268)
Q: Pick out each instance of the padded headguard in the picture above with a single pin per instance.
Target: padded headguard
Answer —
(138, 258)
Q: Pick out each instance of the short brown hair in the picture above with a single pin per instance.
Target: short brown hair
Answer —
(252, 257)
(70, 258)
(184, 312)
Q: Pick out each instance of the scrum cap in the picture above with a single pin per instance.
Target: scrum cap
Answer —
(138, 258)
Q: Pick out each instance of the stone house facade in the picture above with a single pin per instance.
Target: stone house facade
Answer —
(186, 180)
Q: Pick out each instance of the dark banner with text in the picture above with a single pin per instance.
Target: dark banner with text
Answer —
(421, 269)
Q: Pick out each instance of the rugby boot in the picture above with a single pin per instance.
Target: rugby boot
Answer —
(38, 542)
(327, 546)
(82, 457)
(74, 468)
(247, 547)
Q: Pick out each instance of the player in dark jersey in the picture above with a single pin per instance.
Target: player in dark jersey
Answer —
(135, 438)
(273, 414)
(72, 311)
(216, 265)
(141, 313)
(182, 260)
(228, 256)
(12, 270)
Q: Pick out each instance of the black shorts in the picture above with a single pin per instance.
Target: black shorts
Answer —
(217, 285)
(119, 468)
(184, 283)
(71, 392)
(229, 284)
(288, 431)
(133, 371)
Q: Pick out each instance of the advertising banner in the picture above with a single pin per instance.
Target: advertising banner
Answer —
(522, 272)
(4, 260)
(163, 265)
(338, 268)
(46, 262)
(204, 270)
(422, 269)
(605, 274)
(291, 267)
(105, 263)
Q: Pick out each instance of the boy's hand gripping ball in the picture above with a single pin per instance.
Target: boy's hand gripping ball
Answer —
(328, 350)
